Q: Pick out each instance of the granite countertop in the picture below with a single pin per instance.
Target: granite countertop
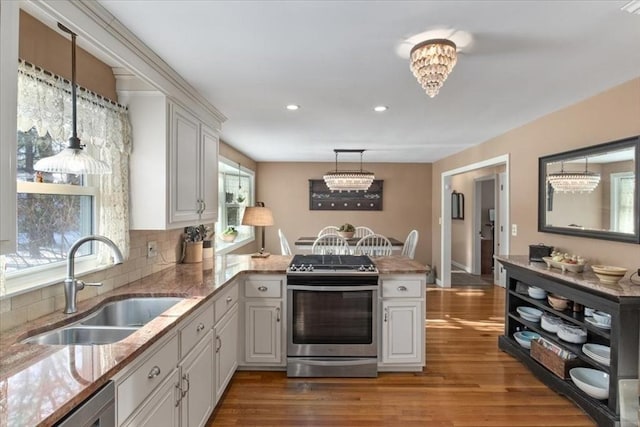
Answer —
(41, 383)
(587, 279)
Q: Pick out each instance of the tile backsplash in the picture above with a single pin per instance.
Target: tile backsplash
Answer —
(22, 308)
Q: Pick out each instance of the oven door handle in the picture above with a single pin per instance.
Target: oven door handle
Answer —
(332, 288)
(337, 361)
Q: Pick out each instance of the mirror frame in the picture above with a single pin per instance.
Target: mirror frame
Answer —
(632, 142)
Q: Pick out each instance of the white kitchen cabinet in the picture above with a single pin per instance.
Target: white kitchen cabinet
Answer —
(173, 165)
(264, 321)
(197, 384)
(403, 320)
(226, 357)
(9, 19)
(162, 408)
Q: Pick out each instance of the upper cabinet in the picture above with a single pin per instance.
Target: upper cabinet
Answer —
(174, 164)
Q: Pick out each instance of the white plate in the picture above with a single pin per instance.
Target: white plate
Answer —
(599, 353)
(529, 313)
(592, 381)
(594, 323)
(571, 334)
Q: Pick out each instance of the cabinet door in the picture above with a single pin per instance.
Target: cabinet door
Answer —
(184, 166)
(162, 409)
(226, 350)
(209, 195)
(402, 331)
(197, 384)
(263, 331)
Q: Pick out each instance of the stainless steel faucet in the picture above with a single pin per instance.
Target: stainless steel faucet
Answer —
(71, 285)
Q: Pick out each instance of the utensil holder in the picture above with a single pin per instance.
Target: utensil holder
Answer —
(192, 252)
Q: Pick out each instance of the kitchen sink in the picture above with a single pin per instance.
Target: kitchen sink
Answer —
(132, 312)
(81, 335)
(111, 323)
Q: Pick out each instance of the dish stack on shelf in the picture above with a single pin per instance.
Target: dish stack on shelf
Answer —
(572, 334)
(524, 338)
(536, 293)
(592, 381)
(599, 353)
(529, 313)
(550, 323)
(600, 319)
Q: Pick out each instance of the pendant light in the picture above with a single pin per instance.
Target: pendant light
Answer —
(348, 180)
(73, 159)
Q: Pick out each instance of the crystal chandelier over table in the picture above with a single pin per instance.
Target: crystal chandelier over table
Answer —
(431, 63)
(347, 180)
(574, 182)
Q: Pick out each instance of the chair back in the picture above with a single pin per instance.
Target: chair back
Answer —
(409, 248)
(330, 244)
(330, 229)
(374, 245)
(362, 231)
(285, 249)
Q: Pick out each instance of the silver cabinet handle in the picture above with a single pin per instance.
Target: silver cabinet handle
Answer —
(229, 299)
(402, 288)
(199, 203)
(185, 377)
(262, 288)
(178, 391)
(218, 344)
(204, 206)
(154, 372)
(386, 314)
(200, 327)
(277, 314)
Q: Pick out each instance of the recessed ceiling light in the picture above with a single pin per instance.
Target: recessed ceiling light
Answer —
(293, 107)
(380, 108)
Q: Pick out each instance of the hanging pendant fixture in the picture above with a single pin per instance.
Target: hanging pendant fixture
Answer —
(73, 159)
(431, 63)
(348, 180)
(574, 182)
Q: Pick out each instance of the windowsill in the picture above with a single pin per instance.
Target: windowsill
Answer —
(225, 248)
(23, 283)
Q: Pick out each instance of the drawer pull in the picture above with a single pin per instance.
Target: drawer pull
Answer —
(218, 344)
(402, 288)
(262, 288)
(200, 327)
(185, 377)
(277, 314)
(178, 393)
(386, 314)
(229, 299)
(154, 372)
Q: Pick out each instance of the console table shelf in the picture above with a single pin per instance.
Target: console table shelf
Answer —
(621, 301)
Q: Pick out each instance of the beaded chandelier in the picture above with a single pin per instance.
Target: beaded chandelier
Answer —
(574, 182)
(431, 63)
(347, 180)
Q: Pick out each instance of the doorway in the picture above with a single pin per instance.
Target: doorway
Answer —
(484, 221)
(501, 219)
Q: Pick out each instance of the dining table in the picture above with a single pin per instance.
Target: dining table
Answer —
(304, 244)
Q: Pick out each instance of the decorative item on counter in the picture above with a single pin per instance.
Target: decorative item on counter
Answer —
(609, 274)
(229, 235)
(539, 251)
(346, 230)
(565, 262)
(192, 245)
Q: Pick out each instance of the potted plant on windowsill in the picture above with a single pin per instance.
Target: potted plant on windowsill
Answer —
(346, 230)
(229, 235)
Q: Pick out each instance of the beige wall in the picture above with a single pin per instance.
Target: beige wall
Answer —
(609, 116)
(44, 47)
(284, 187)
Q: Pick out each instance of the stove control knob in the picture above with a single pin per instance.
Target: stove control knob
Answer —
(293, 267)
(310, 268)
(372, 267)
(361, 268)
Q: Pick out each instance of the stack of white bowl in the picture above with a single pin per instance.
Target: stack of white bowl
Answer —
(600, 319)
(599, 353)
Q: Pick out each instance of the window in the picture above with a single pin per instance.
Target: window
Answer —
(236, 191)
(622, 191)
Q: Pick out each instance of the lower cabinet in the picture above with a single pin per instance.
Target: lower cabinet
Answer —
(197, 381)
(263, 332)
(403, 320)
(226, 357)
(162, 408)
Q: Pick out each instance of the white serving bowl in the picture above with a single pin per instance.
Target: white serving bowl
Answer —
(572, 334)
(537, 293)
(588, 311)
(529, 313)
(524, 338)
(602, 318)
(550, 323)
(609, 274)
(593, 382)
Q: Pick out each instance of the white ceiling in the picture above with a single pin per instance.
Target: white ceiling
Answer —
(338, 59)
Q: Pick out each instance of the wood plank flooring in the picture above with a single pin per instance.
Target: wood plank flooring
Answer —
(468, 381)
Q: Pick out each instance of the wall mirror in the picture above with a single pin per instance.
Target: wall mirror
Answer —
(591, 192)
(457, 205)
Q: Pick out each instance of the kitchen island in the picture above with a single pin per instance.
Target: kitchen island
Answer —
(39, 384)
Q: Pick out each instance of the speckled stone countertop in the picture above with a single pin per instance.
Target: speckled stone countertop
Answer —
(587, 279)
(41, 383)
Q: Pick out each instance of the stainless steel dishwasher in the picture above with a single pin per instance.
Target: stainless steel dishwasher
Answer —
(99, 410)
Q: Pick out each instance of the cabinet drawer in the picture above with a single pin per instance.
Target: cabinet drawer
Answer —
(137, 386)
(263, 288)
(226, 301)
(398, 288)
(195, 330)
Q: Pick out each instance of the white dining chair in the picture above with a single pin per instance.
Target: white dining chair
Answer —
(285, 249)
(362, 231)
(330, 229)
(374, 245)
(409, 247)
(330, 244)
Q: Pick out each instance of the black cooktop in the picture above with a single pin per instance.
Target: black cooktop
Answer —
(347, 263)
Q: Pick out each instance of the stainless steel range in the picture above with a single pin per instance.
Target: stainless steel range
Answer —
(332, 307)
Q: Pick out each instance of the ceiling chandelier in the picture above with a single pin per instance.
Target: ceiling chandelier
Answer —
(574, 182)
(73, 159)
(348, 180)
(431, 63)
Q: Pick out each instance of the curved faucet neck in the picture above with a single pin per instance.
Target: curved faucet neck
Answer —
(117, 255)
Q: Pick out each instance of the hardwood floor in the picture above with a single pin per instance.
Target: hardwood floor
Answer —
(468, 381)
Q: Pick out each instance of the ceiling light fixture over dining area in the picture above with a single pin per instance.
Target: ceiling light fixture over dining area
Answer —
(348, 180)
